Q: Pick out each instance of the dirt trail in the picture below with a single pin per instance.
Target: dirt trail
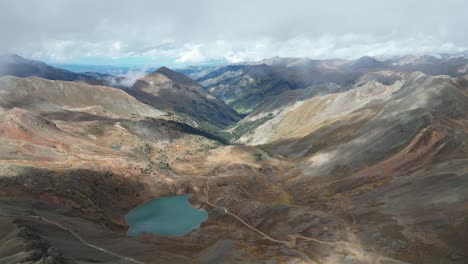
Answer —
(291, 244)
(82, 240)
(293, 238)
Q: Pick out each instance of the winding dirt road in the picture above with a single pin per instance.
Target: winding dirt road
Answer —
(290, 243)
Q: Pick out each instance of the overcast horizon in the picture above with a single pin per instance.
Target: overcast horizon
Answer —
(182, 33)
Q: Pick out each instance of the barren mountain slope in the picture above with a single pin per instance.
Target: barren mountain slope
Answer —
(365, 153)
(66, 166)
(175, 92)
(375, 174)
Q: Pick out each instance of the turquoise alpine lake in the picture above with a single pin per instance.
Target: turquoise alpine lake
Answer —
(167, 216)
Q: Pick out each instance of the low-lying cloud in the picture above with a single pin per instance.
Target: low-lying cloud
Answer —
(132, 76)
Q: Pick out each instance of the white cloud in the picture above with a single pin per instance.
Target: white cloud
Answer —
(133, 75)
(191, 54)
(184, 32)
(116, 46)
(348, 46)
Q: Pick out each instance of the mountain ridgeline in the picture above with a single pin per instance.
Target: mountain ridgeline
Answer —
(173, 91)
(245, 86)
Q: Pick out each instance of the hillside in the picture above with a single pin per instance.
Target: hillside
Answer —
(172, 91)
(367, 151)
(325, 173)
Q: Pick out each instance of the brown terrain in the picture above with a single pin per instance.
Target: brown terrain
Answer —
(374, 173)
(173, 91)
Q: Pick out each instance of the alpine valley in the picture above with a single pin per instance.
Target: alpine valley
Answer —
(294, 160)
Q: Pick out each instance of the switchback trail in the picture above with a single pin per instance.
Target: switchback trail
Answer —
(82, 240)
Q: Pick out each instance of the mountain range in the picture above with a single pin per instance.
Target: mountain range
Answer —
(245, 86)
(295, 160)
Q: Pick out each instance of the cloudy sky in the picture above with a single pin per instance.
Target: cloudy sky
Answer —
(181, 32)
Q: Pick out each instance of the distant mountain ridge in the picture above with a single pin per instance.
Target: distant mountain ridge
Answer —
(18, 66)
(244, 86)
(179, 93)
(15, 65)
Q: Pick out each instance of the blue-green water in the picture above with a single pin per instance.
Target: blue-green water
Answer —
(168, 216)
